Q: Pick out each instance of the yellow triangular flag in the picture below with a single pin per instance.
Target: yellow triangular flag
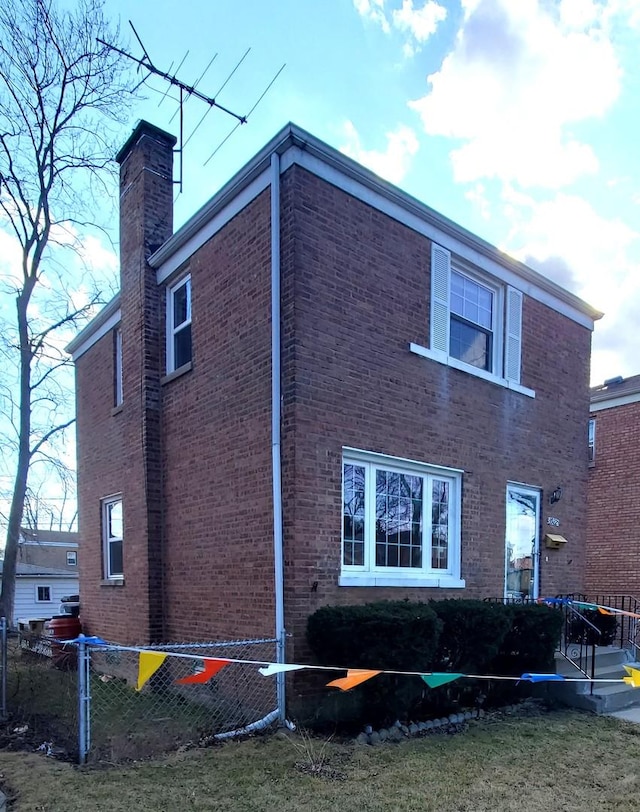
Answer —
(354, 677)
(149, 663)
(634, 676)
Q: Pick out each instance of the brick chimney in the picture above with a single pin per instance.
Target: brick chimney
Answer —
(146, 222)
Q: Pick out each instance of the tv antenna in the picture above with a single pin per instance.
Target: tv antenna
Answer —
(186, 92)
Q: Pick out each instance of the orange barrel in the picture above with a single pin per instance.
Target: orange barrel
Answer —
(63, 627)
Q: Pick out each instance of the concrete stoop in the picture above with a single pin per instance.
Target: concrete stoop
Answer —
(605, 698)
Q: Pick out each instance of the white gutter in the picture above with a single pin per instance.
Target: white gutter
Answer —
(275, 431)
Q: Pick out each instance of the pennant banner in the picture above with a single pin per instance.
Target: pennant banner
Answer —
(211, 668)
(149, 663)
(633, 678)
(278, 668)
(354, 677)
(435, 680)
(542, 677)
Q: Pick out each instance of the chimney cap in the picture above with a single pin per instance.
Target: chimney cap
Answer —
(144, 128)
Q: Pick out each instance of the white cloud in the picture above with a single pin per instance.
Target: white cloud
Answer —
(416, 24)
(392, 163)
(519, 77)
(597, 258)
(373, 10)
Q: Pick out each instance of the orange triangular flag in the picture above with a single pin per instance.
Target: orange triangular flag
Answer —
(211, 668)
(604, 611)
(149, 663)
(354, 677)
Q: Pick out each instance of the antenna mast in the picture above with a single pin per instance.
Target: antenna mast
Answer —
(186, 92)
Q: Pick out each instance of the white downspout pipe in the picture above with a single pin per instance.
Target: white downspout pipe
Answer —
(275, 432)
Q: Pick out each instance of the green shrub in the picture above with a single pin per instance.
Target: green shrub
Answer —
(464, 636)
(531, 641)
(396, 635)
(389, 635)
(472, 633)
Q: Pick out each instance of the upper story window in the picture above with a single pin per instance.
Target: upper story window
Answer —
(117, 367)
(179, 324)
(112, 537)
(472, 322)
(592, 442)
(476, 322)
(401, 523)
(72, 558)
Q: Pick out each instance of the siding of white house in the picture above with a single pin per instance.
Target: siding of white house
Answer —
(26, 604)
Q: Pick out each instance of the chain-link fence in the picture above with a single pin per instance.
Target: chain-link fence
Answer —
(82, 702)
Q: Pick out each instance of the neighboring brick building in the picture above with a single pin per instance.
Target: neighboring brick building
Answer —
(613, 536)
(424, 393)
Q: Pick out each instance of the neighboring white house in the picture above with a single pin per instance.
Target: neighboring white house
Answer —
(39, 591)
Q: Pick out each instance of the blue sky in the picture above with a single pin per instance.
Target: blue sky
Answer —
(516, 119)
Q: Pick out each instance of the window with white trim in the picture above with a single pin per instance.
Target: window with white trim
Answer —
(476, 322)
(43, 594)
(72, 558)
(592, 441)
(112, 537)
(400, 522)
(179, 324)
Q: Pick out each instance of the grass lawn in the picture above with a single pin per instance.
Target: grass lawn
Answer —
(562, 760)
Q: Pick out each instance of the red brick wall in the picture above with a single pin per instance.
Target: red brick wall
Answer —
(356, 289)
(217, 444)
(613, 537)
(100, 473)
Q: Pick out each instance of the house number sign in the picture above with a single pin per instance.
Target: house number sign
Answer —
(553, 522)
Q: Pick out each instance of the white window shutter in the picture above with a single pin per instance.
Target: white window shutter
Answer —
(513, 336)
(440, 286)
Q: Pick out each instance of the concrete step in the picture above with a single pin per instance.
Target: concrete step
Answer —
(606, 657)
(605, 697)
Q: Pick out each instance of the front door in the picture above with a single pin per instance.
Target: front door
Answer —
(522, 543)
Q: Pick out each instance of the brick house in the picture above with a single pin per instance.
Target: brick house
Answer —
(613, 536)
(318, 390)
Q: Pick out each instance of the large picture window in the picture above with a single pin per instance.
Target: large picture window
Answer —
(112, 537)
(179, 324)
(401, 522)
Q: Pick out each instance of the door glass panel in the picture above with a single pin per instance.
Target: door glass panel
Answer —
(521, 544)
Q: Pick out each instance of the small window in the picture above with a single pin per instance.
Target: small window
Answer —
(400, 522)
(72, 558)
(43, 594)
(112, 536)
(117, 367)
(592, 442)
(179, 324)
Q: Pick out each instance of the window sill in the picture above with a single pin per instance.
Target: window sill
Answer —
(112, 582)
(370, 579)
(447, 360)
(177, 373)
(116, 409)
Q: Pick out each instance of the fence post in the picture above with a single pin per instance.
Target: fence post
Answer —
(3, 656)
(84, 700)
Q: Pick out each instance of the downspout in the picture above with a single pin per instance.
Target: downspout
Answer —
(275, 432)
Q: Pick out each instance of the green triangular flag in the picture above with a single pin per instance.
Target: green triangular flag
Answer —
(433, 680)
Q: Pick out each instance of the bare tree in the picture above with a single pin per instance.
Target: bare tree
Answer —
(62, 94)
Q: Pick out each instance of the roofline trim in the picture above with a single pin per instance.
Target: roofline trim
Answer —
(293, 136)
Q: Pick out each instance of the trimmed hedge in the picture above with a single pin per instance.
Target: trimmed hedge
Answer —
(466, 636)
